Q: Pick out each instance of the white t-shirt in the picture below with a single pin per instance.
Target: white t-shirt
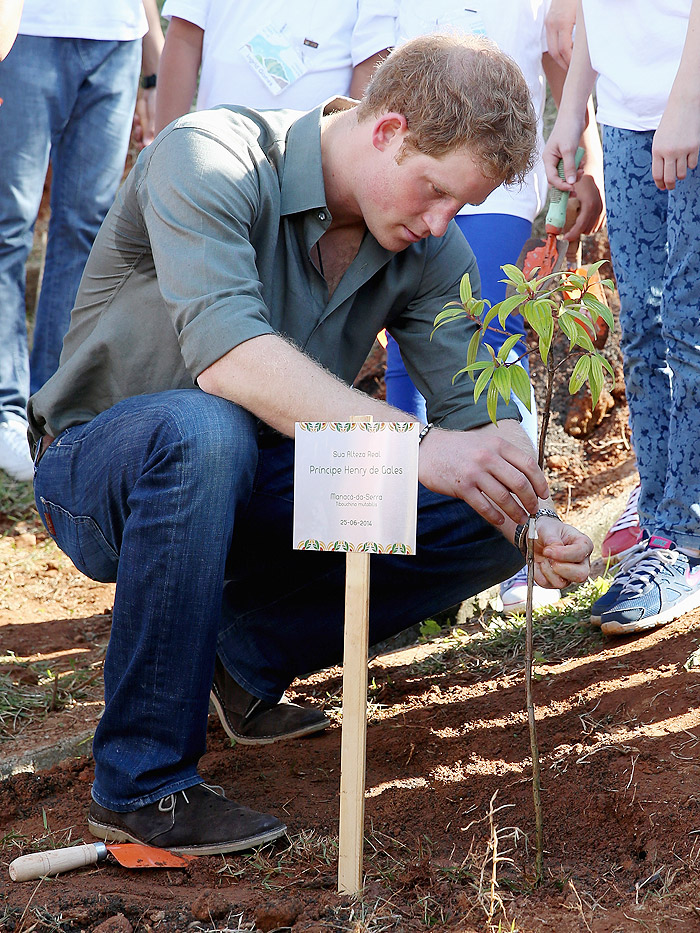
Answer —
(326, 39)
(84, 19)
(517, 27)
(635, 46)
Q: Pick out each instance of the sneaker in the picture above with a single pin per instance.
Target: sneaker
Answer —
(664, 585)
(251, 721)
(626, 532)
(15, 459)
(199, 820)
(513, 594)
(611, 595)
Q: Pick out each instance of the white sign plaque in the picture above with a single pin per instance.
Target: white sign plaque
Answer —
(356, 486)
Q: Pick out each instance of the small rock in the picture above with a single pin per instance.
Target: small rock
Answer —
(557, 462)
(157, 916)
(211, 905)
(25, 540)
(279, 914)
(116, 924)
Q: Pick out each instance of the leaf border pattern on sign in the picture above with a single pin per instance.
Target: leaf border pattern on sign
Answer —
(368, 547)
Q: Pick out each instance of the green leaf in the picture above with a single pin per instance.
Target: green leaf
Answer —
(445, 316)
(599, 309)
(508, 346)
(593, 268)
(489, 316)
(580, 374)
(473, 348)
(514, 274)
(546, 331)
(492, 401)
(502, 381)
(607, 365)
(472, 368)
(507, 306)
(465, 289)
(520, 384)
(483, 380)
(573, 280)
(566, 323)
(596, 379)
(583, 338)
(475, 307)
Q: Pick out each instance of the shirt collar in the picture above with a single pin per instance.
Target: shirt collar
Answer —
(302, 179)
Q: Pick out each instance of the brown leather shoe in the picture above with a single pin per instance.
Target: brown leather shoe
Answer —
(199, 820)
(251, 721)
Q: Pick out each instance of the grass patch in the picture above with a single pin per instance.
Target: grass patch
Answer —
(493, 640)
(29, 691)
(16, 503)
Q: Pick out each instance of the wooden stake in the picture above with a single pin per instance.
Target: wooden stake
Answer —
(353, 754)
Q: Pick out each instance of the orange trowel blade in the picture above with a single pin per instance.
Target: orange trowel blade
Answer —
(545, 257)
(136, 855)
(538, 251)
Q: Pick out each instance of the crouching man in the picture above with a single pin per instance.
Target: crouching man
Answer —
(235, 287)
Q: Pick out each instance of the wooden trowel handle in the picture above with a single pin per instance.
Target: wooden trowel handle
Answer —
(55, 861)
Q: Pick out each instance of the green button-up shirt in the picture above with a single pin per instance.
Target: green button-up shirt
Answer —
(208, 244)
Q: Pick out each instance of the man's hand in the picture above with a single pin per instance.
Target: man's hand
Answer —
(488, 467)
(562, 554)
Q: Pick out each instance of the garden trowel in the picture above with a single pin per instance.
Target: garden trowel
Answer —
(129, 854)
(552, 253)
(549, 254)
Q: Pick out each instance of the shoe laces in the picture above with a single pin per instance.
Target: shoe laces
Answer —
(630, 516)
(633, 556)
(167, 804)
(647, 568)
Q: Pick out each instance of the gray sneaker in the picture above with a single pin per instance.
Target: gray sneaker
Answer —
(199, 820)
(605, 602)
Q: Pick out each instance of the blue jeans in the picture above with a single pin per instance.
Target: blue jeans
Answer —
(655, 245)
(71, 100)
(179, 498)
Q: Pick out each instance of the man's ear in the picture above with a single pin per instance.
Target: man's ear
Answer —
(389, 131)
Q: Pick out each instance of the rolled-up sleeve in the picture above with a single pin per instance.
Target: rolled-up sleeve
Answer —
(200, 201)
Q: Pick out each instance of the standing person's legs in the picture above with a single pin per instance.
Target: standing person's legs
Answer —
(99, 80)
(653, 238)
(637, 215)
(27, 114)
(678, 511)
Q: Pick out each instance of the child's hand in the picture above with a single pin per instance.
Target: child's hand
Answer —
(676, 143)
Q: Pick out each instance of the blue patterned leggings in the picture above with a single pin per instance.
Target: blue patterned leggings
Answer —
(655, 244)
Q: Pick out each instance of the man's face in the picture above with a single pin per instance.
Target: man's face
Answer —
(409, 195)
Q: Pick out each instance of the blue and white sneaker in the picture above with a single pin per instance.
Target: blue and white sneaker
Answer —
(605, 602)
(662, 586)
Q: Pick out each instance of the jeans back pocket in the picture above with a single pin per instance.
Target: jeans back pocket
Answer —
(79, 537)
